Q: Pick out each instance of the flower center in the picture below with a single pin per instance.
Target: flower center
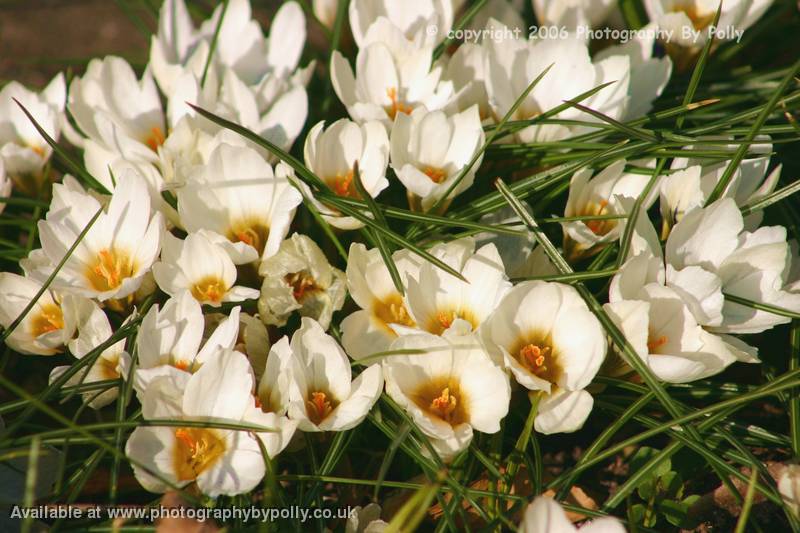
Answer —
(654, 343)
(318, 406)
(392, 310)
(444, 404)
(437, 175)
(183, 364)
(700, 20)
(443, 319)
(196, 449)
(302, 284)
(598, 227)
(38, 149)
(254, 233)
(109, 269)
(442, 398)
(155, 138)
(108, 367)
(343, 185)
(397, 105)
(49, 319)
(537, 357)
(209, 289)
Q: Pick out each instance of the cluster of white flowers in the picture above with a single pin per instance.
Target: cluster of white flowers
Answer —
(203, 216)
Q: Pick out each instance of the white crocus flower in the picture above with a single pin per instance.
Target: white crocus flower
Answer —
(449, 390)
(201, 266)
(169, 341)
(322, 394)
(325, 11)
(688, 23)
(394, 76)
(413, 17)
(5, 186)
(117, 251)
(512, 64)
(649, 75)
(47, 327)
(332, 154)
(520, 254)
(369, 283)
(365, 519)
(598, 196)
(180, 48)
(430, 149)
(665, 334)
(466, 69)
(23, 150)
(237, 194)
(272, 396)
(112, 107)
(545, 335)
(545, 515)
(252, 81)
(750, 265)
(276, 109)
(300, 278)
(252, 338)
(571, 14)
(696, 178)
(93, 330)
(673, 311)
(176, 48)
(108, 166)
(220, 461)
(789, 487)
(680, 193)
(438, 301)
(272, 392)
(253, 341)
(242, 46)
(507, 12)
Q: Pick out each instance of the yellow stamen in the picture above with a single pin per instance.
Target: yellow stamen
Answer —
(444, 318)
(392, 310)
(109, 269)
(49, 319)
(209, 289)
(196, 449)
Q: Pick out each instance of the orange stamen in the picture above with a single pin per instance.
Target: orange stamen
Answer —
(436, 175)
(396, 106)
(155, 138)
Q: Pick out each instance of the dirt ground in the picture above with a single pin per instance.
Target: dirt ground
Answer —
(39, 38)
